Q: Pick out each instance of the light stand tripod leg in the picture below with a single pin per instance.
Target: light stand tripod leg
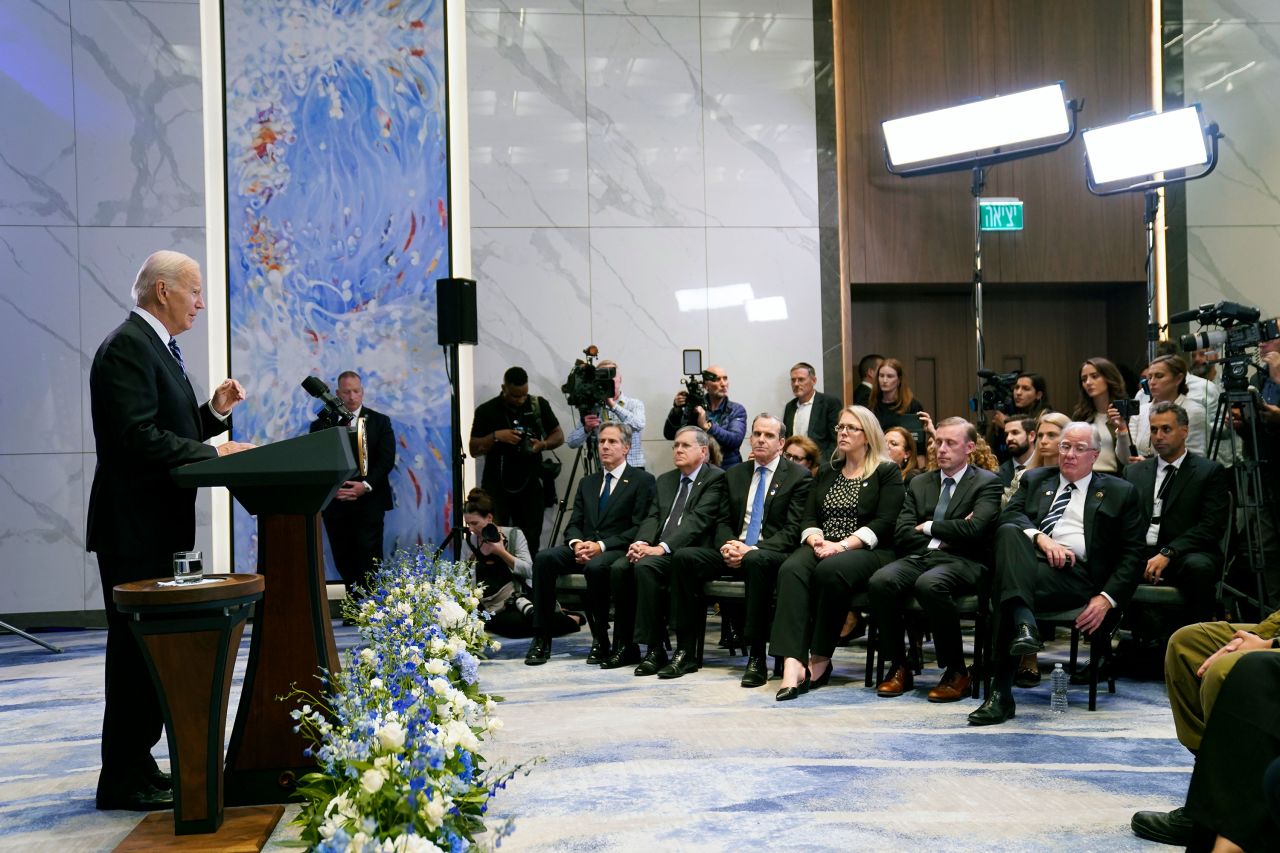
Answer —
(5, 626)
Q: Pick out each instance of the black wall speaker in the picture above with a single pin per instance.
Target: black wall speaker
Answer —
(456, 311)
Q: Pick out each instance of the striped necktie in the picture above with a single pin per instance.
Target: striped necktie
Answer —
(177, 354)
(1056, 511)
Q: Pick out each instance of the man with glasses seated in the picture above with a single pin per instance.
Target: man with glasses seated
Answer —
(722, 419)
(1069, 538)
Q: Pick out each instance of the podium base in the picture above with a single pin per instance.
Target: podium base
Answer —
(244, 830)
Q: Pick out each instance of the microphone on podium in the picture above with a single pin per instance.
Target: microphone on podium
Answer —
(315, 386)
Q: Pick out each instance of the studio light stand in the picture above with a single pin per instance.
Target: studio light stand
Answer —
(974, 137)
(456, 324)
(5, 626)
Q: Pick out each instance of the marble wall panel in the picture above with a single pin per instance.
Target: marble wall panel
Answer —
(40, 341)
(527, 109)
(109, 262)
(1237, 264)
(1226, 11)
(139, 152)
(37, 164)
(1234, 71)
(42, 507)
(761, 149)
(757, 8)
(758, 341)
(644, 121)
(517, 7)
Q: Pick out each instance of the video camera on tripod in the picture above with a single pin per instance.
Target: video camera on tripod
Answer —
(996, 392)
(1241, 330)
(588, 387)
(695, 384)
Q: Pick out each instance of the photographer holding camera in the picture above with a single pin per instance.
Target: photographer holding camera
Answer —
(616, 408)
(512, 430)
(721, 418)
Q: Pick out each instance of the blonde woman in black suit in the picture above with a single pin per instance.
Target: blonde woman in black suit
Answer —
(846, 535)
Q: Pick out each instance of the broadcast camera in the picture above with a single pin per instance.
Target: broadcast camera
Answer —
(694, 381)
(1241, 331)
(589, 387)
(996, 393)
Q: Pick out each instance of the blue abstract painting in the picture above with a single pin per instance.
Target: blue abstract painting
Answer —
(337, 221)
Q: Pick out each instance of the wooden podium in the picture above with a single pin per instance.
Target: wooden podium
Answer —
(189, 636)
(285, 485)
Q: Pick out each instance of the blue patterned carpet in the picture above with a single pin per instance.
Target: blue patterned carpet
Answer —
(696, 763)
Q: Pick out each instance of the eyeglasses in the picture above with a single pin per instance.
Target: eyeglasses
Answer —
(847, 428)
(1077, 449)
(797, 457)
(715, 378)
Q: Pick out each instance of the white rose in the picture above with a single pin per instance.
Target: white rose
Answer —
(451, 613)
(436, 666)
(438, 686)
(456, 644)
(391, 736)
(403, 608)
(494, 724)
(375, 683)
(367, 655)
(373, 780)
(434, 812)
(437, 645)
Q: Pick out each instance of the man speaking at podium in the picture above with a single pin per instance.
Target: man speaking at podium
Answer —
(354, 518)
(146, 421)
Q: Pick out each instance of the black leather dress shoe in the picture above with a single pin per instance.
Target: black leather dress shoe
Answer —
(148, 799)
(599, 653)
(1026, 640)
(539, 652)
(160, 780)
(628, 655)
(655, 660)
(998, 708)
(788, 693)
(755, 675)
(682, 663)
(1165, 827)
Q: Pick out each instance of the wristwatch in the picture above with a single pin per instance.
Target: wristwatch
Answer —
(1275, 643)
(1168, 553)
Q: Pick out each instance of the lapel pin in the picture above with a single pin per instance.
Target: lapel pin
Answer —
(1048, 494)
(1098, 495)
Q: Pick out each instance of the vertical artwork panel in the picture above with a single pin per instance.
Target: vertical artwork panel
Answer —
(337, 218)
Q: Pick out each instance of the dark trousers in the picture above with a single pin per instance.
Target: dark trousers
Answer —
(1196, 575)
(553, 562)
(1023, 575)
(525, 509)
(935, 578)
(132, 721)
(695, 566)
(355, 533)
(814, 597)
(1227, 795)
(652, 578)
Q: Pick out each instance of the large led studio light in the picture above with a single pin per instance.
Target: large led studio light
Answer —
(980, 133)
(1149, 145)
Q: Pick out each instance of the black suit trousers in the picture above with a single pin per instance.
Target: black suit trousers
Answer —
(935, 578)
(652, 579)
(814, 597)
(1196, 575)
(553, 562)
(355, 531)
(696, 566)
(133, 721)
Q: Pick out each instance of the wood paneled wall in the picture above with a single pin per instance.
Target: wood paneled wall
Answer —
(902, 57)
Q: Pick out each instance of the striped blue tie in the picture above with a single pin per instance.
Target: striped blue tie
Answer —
(177, 353)
(1056, 511)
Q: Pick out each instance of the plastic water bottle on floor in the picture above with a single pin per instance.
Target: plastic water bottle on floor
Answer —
(1058, 698)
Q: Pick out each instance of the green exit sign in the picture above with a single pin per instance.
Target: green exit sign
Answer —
(1000, 214)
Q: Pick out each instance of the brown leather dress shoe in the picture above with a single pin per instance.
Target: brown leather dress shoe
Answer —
(900, 680)
(953, 687)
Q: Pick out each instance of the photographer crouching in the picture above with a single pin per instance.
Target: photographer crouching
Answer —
(504, 569)
(512, 430)
(705, 403)
(596, 391)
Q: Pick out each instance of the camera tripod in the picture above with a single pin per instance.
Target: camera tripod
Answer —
(1247, 473)
(588, 456)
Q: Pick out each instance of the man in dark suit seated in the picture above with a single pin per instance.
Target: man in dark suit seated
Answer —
(760, 526)
(147, 420)
(354, 518)
(1069, 538)
(1185, 501)
(1020, 441)
(810, 412)
(868, 367)
(607, 510)
(685, 513)
(941, 534)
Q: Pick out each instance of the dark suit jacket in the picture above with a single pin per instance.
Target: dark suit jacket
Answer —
(702, 509)
(861, 394)
(978, 493)
(783, 505)
(146, 421)
(629, 504)
(879, 502)
(1114, 529)
(380, 442)
(822, 421)
(1195, 510)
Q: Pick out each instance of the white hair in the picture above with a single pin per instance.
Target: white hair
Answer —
(165, 265)
(1094, 442)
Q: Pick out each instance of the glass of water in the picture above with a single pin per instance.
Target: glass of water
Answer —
(187, 567)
